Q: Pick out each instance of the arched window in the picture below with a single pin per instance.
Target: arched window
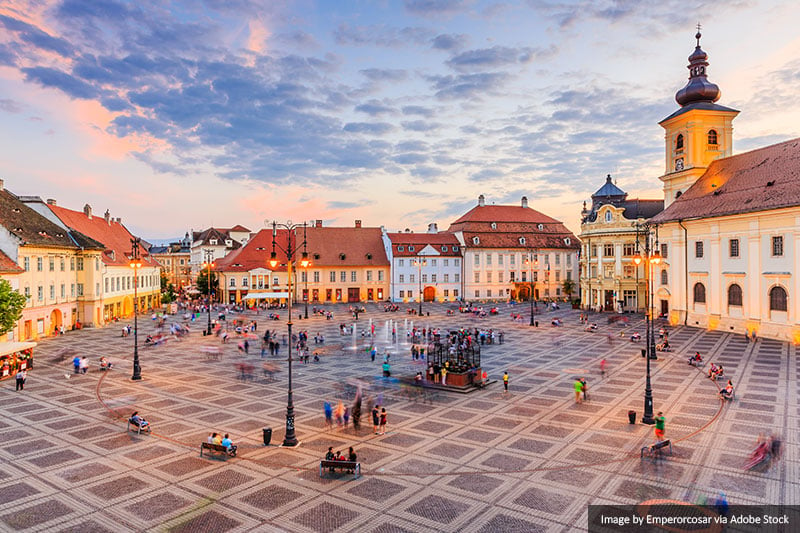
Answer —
(664, 277)
(735, 295)
(777, 299)
(679, 142)
(699, 293)
(712, 136)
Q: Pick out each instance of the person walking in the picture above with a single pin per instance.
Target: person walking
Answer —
(382, 428)
(578, 386)
(603, 368)
(76, 364)
(84, 365)
(20, 378)
(661, 422)
(444, 376)
(505, 382)
(375, 418)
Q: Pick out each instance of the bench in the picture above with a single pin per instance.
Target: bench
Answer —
(655, 450)
(695, 363)
(729, 397)
(352, 466)
(218, 448)
(139, 428)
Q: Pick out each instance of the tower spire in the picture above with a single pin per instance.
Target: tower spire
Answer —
(699, 89)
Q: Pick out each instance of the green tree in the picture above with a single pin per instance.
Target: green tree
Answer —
(202, 282)
(11, 305)
(568, 286)
(164, 281)
(168, 295)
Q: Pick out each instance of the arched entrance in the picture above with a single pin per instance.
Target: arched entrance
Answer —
(524, 293)
(429, 294)
(55, 320)
(127, 306)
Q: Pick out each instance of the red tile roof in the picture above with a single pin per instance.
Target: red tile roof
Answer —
(767, 178)
(8, 266)
(420, 240)
(504, 213)
(34, 229)
(334, 246)
(360, 246)
(112, 234)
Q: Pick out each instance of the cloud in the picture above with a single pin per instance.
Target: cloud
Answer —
(298, 38)
(381, 35)
(35, 36)
(384, 74)
(486, 174)
(372, 128)
(343, 205)
(496, 56)
(467, 85)
(434, 8)
(375, 108)
(417, 110)
(410, 159)
(450, 42)
(420, 125)
(10, 106)
(50, 77)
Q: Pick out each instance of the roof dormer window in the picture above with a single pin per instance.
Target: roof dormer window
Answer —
(476, 240)
(444, 248)
(522, 241)
(540, 227)
(228, 242)
(567, 241)
(342, 256)
(494, 225)
(401, 248)
(410, 248)
(213, 241)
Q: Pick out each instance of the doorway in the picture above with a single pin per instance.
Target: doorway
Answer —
(353, 294)
(429, 294)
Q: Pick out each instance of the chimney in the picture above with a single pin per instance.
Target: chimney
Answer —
(358, 223)
(432, 228)
(2, 184)
(318, 223)
(107, 216)
(481, 201)
(524, 201)
(87, 210)
(51, 201)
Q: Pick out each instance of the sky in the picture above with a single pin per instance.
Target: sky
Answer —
(190, 113)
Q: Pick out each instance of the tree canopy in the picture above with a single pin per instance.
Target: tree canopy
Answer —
(11, 305)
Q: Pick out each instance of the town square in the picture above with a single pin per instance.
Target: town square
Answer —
(531, 459)
(410, 265)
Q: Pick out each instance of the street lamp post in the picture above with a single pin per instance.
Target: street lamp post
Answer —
(136, 264)
(208, 264)
(420, 262)
(305, 293)
(290, 439)
(651, 257)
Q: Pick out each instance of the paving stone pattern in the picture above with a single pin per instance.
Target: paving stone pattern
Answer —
(487, 461)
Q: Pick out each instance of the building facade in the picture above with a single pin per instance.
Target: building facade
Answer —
(611, 235)
(509, 251)
(61, 269)
(175, 261)
(731, 222)
(215, 243)
(424, 265)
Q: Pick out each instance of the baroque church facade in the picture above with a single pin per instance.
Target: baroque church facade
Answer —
(731, 223)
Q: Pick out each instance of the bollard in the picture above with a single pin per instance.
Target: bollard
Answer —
(267, 436)
(632, 417)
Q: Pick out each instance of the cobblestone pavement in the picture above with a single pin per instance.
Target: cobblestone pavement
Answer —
(529, 460)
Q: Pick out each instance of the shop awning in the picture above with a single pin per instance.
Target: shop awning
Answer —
(266, 295)
(7, 348)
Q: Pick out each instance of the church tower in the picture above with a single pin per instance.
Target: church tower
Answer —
(697, 133)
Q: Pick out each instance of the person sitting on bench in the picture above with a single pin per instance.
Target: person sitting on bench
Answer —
(716, 372)
(727, 392)
(105, 364)
(330, 456)
(228, 443)
(635, 337)
(696, 358)
(137, 420)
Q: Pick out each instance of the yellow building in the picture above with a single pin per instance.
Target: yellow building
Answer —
(610, 237)
(60, 268)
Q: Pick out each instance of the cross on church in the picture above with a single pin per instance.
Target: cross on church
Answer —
(699, 27)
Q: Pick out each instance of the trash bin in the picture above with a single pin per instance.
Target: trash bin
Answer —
(536, 323)
(267, 436)
(631, 418)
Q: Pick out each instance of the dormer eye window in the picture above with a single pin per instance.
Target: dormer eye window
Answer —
(522, 240)
(316, 257)
(369, 256)
(342, 256)
(401, 248)
(494, 225)
(540, 227)
(410, 248)
(444, 248)
(228, 242)
(679, 142)
(476, 240)
(567, 241)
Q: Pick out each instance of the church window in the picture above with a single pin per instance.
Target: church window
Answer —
(664, 277)
(712, 137)
(698, 249)
(679, 142)
(777, 246)
(699, 293)
(734, 247)
(777, 299)
(735, 295)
